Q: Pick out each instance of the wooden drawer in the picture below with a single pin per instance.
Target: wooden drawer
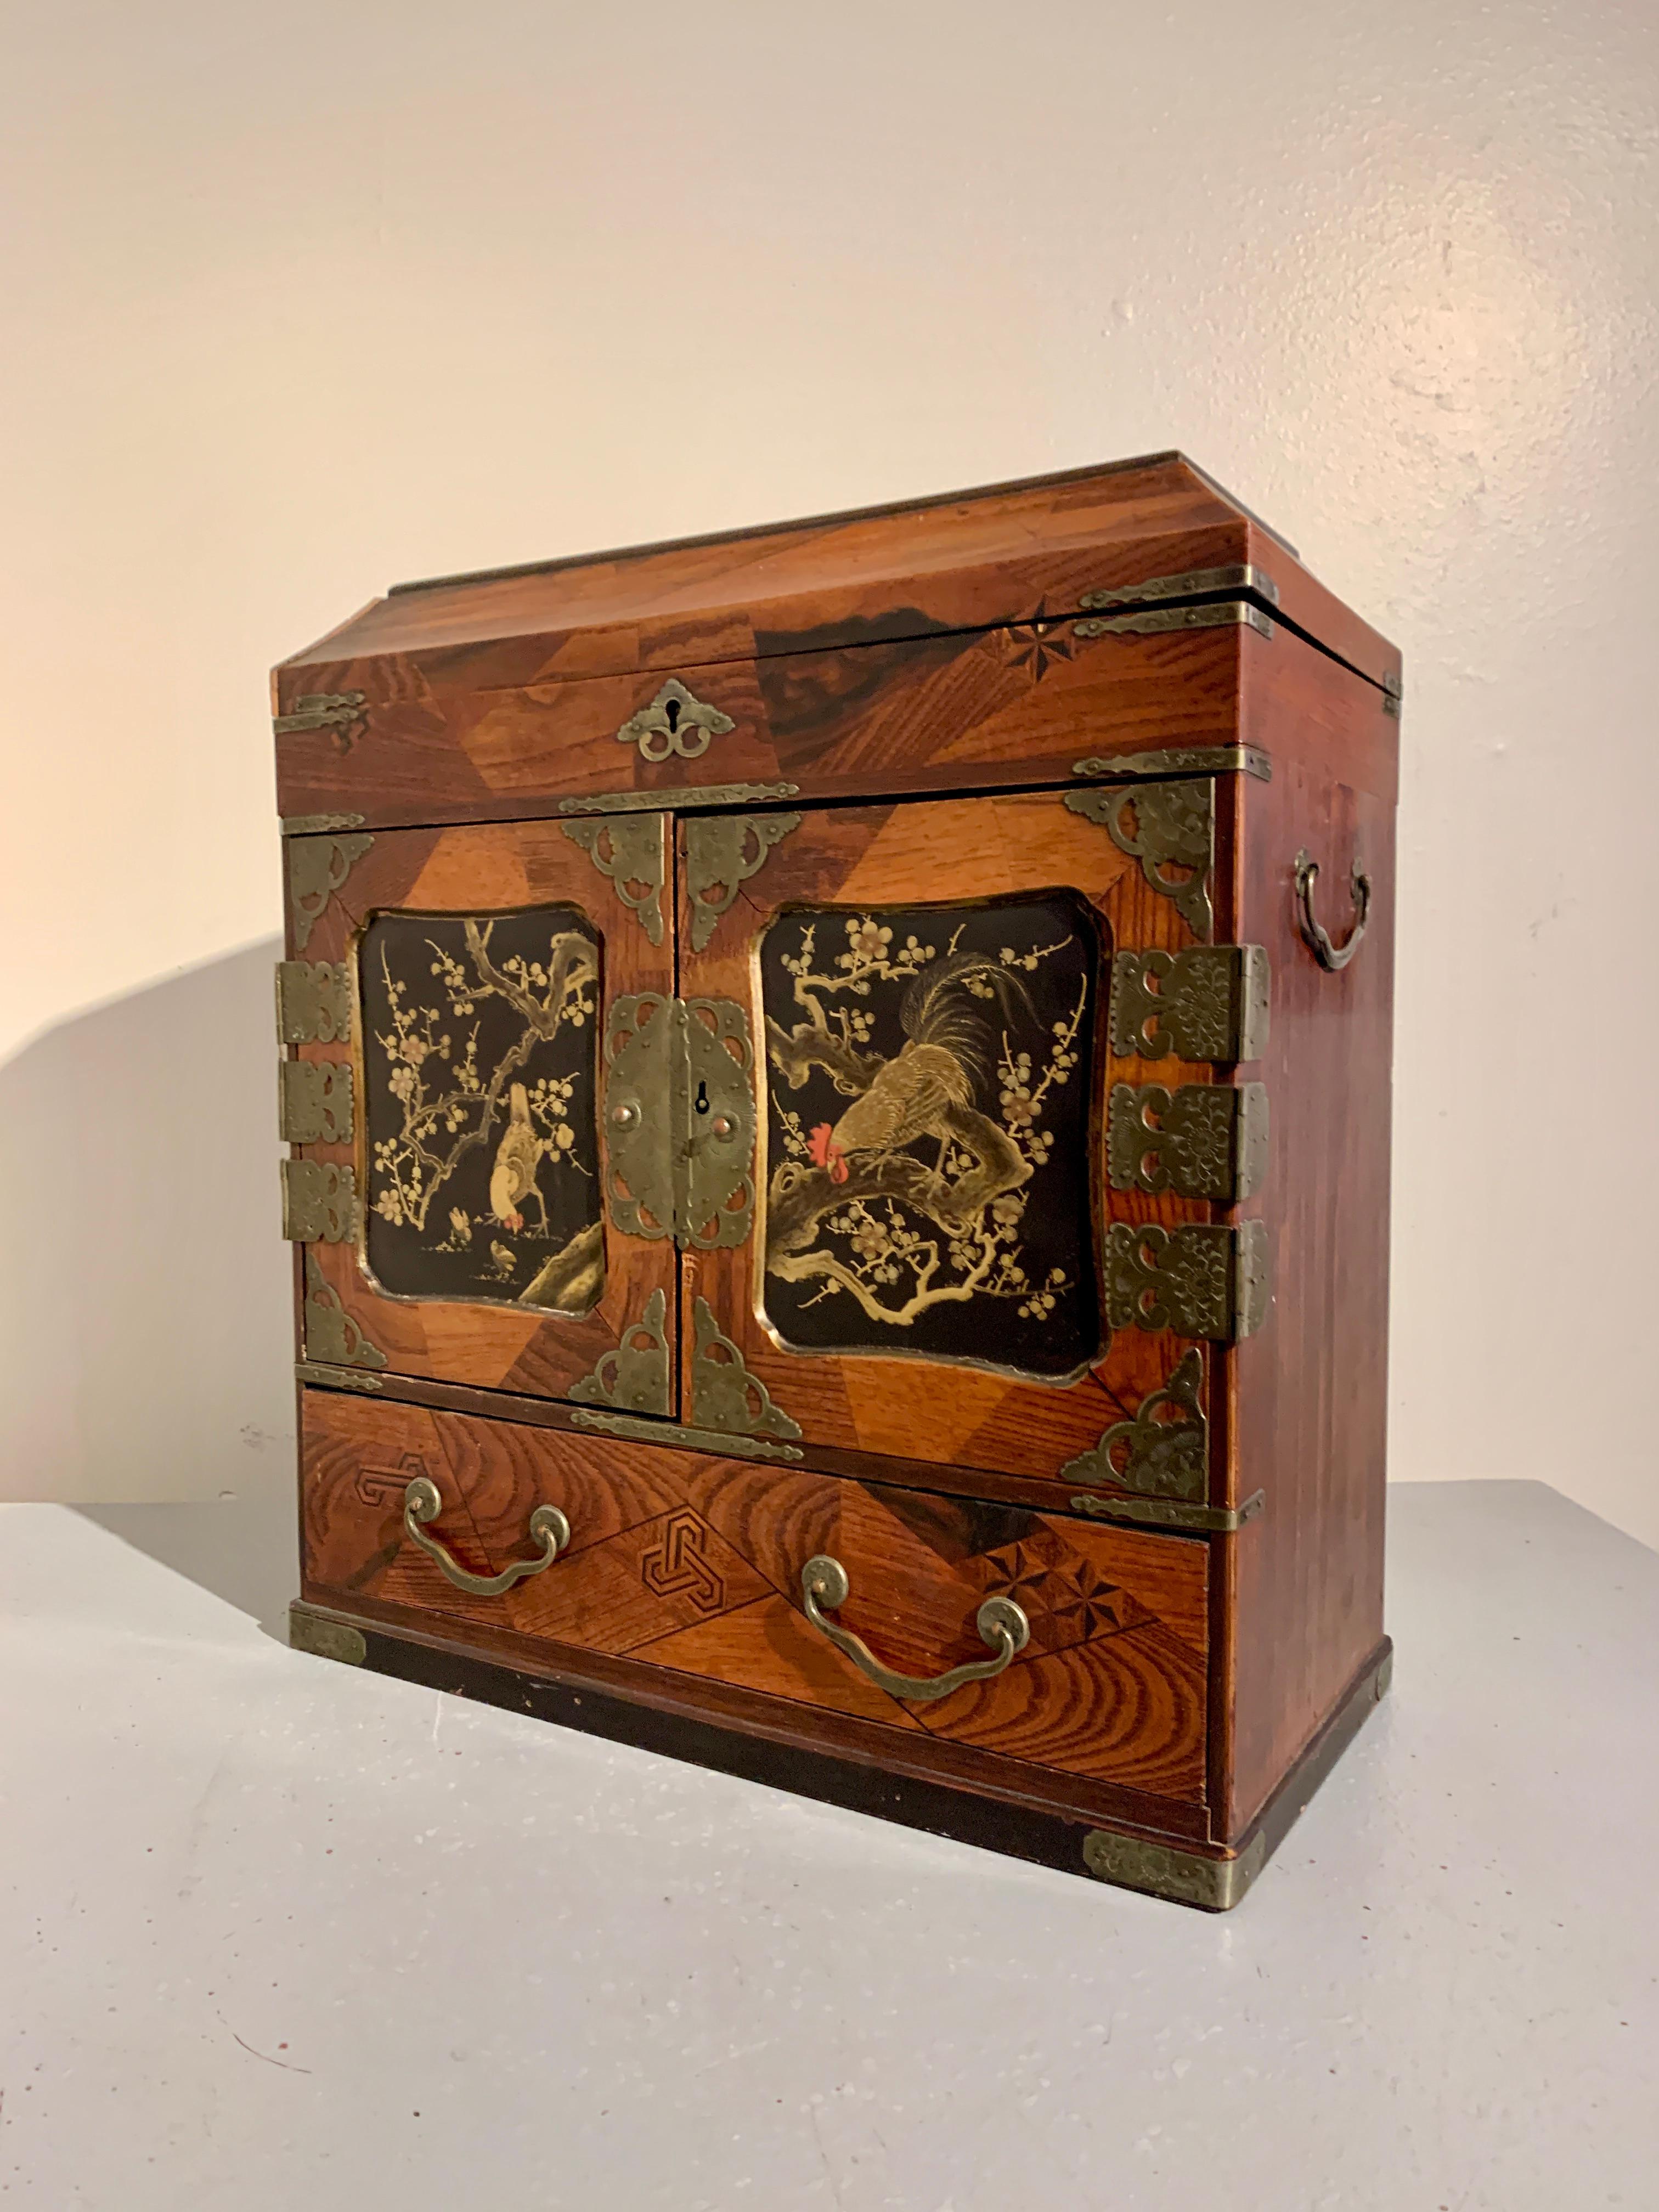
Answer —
(693, 1564)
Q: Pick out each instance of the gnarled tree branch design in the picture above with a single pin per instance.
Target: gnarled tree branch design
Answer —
(858, 1206)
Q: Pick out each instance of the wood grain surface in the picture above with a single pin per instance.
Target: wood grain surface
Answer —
(692, 1563)
(477, 871)
(948, 851)
(909, 649)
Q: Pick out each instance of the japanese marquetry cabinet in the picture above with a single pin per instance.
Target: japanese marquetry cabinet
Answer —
(838, 1084)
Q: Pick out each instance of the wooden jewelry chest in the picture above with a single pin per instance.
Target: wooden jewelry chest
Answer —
(838, 1086)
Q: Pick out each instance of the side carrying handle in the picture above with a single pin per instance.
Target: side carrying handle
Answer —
(1001, 1624)
(1318, 939)
(547, 1525)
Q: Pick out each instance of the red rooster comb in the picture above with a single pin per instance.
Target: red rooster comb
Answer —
(827, 1153)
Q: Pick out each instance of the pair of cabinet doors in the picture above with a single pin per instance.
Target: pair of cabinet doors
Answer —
(788, 1126)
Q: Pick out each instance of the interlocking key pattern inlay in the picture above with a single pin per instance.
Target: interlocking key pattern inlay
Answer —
(678, 1567)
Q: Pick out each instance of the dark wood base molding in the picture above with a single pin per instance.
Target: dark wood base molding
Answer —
(1212, 1879)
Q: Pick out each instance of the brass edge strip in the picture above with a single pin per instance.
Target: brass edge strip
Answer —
(335, 1378)
(1213, 614)
(1170, 1513)
(1239, 577)
(667, 801)
(670, 1432)
(1179, 760)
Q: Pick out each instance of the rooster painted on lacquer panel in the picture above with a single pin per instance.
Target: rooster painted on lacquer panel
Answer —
(934, 1072)
(518, 1156)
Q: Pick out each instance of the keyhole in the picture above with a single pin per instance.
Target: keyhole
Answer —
(703, 1098)
(672, 712)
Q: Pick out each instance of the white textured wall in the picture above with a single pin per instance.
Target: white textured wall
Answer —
(298, 299)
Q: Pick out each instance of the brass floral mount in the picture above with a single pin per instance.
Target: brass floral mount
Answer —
(1162, 1459)
(332, 1338)
(634, 1378)
(1170, 828)
(722, 853)
(725, 1396)
(316, 868)
(630, 853)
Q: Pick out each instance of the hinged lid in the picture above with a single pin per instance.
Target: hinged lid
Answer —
(1117, 536)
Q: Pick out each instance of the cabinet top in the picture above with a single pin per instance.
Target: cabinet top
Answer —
(1007, 553)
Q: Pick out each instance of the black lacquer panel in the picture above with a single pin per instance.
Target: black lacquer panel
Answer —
(479, 1041)
(928, 1174)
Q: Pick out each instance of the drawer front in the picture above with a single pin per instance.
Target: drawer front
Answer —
(693, 1564)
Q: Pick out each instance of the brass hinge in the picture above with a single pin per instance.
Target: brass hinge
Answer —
(1394, 692)
(313, 1002)
(313, 1102)
(1210, 1002)
(1199, 1280)
(1200, 1141)
(679, 1120)
(320, 710)
(319, 1203)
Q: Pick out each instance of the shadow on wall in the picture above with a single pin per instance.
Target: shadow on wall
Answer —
(146, 1342)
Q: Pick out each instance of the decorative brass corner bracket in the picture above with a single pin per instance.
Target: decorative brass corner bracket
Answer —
(635, 1378)
(1209, 1002)
(1168, 826)
(676, 721)
(722, 851)
(316, 868)
(1199, 1280)
(632, 854)
(1200, 1141)
(1163, 1457)
(725, 1396)
(332, 1338)
(1163, 1870)
(1164, 1452)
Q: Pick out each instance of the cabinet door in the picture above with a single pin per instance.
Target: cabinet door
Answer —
(929, 986)
(477, 970)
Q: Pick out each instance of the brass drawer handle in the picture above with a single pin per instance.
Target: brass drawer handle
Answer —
(547, 1525)
(1328, 954)
(1001, 1622)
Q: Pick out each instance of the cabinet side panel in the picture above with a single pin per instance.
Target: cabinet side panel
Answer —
(1309, 1391)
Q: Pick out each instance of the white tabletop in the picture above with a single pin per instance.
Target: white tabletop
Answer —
(280, 1935)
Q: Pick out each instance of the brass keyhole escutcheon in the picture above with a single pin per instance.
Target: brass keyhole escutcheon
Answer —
(700, 1101)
